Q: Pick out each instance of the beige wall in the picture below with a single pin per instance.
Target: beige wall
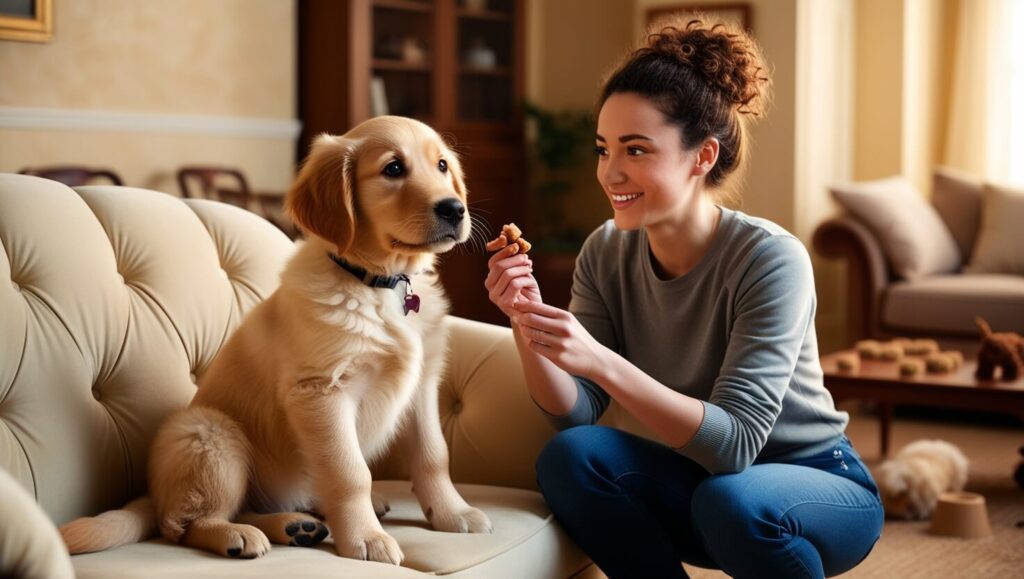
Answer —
(229, 61)
(572, 44)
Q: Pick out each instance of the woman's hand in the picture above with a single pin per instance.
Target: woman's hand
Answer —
(510, 280)
(558, 336)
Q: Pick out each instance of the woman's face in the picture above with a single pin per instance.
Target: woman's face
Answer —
(645, 171)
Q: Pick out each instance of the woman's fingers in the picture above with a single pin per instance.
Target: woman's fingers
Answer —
(541, 309)
(511, 274)
(538, 322)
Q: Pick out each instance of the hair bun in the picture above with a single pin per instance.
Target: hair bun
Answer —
(728, 59)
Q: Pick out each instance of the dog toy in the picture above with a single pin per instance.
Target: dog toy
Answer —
(911, 367)
(1003, 350)
(848, 363)
(910, 483)
(869, 349)
(510, 234)
(921, 347)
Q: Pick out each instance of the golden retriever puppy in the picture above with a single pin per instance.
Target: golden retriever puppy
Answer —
(319, 379)
(911, 482)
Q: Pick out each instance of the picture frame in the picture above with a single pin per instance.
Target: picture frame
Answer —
(26, 20)
(738, 13)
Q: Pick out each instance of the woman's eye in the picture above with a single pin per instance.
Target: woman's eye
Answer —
(394, 169)
(600, 151)
(442, 165)
(635, 151)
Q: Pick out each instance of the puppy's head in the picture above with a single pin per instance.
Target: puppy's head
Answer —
(388, 193)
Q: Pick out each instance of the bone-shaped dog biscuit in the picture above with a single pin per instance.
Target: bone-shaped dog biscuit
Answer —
(510, 234)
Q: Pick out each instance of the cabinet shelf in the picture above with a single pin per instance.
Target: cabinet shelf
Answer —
(489, 15)
(394, 64)
(407, 5)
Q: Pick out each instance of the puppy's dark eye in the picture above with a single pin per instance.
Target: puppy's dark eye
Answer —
(442, 165)
(394, 169)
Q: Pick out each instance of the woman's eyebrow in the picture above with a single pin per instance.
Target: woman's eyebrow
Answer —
(625, 138)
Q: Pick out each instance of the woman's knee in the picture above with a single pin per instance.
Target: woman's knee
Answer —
(569, 458)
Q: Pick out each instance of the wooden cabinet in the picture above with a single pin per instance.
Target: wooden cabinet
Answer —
(454, 64)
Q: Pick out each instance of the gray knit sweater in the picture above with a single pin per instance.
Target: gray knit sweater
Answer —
(736, 332)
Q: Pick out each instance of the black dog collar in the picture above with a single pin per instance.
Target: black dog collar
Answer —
(410, 302)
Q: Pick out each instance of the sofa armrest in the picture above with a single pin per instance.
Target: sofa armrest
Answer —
(867, 274)
(493, 428)
(30, 546)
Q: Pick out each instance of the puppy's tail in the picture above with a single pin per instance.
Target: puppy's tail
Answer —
(986, 330)
(131, 524)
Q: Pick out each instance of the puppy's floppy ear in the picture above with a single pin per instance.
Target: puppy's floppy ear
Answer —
(320, 200)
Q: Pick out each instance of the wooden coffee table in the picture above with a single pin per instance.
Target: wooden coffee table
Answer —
(881, 381)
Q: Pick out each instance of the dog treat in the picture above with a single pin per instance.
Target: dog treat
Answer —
(869, 349)
(922, 347)
(510, 234)
(890, 352)
(848, 363)
(911, 367)
(940, 362)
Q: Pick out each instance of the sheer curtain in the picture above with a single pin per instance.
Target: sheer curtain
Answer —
(986, 123)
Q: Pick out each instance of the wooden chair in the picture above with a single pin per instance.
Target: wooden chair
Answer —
(229, 185)
(73, 175)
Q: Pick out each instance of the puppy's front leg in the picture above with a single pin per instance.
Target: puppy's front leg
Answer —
(323, 417)
(427, 450)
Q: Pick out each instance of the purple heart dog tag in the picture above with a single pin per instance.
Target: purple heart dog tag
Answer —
(412, 303)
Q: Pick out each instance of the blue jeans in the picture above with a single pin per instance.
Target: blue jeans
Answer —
(638, 508)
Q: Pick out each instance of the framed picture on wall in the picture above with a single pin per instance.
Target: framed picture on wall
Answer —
(737, 13)
(27, 20)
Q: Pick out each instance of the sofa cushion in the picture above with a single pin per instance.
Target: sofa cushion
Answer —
(957, 198)
(526, 543)
(30, 547)
(913, 237)
(113, 300)
(1000, 245)
(949, 303)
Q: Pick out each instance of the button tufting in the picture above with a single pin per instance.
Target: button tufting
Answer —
(457, 407)
(224, 274)
(15, 285)
(96, 393)
(192, 376)
(120, 277)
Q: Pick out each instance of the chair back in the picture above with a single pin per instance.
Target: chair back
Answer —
(223, 184)
(73, 175)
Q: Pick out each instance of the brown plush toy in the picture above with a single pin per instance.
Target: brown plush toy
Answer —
(1003, 350)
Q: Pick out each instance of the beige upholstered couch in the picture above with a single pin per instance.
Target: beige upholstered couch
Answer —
(882, 304)
(114, 300)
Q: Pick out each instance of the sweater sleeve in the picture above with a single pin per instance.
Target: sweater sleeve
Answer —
(773, 311)
(590, 309)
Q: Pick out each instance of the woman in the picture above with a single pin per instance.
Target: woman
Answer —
(699, 321)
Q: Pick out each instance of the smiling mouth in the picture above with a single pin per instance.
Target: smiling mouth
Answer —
(625, 197)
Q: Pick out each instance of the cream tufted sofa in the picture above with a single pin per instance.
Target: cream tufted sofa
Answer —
(114, 300)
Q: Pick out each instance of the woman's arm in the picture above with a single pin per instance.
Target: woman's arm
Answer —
(557, 336)
(510, 280)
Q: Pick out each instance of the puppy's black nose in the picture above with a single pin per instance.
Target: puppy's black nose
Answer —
(450, 210)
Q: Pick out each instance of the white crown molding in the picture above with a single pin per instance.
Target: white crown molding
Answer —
(97, 120)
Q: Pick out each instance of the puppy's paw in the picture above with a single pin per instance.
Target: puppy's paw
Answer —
(305, 532)
(380, 504)
(241, 541)
(371, 546)
(465, 520)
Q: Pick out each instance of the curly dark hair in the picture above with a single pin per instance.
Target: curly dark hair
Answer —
(707, 79)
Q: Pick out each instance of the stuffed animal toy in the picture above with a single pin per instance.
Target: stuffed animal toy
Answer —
(910, 483)
(1004, 350)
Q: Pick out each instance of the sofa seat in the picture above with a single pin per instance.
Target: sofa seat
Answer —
(948, 304)
(526, 543)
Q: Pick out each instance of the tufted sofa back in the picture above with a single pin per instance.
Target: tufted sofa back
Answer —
(113, 301)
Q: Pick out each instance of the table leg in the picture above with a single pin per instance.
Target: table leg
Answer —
(885, 423)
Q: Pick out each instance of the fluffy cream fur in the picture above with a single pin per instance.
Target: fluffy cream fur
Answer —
(325, 374)
(911, 482)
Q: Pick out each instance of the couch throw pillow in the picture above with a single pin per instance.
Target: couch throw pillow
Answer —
(1000, 245)
(957, 197)
(913, 237)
